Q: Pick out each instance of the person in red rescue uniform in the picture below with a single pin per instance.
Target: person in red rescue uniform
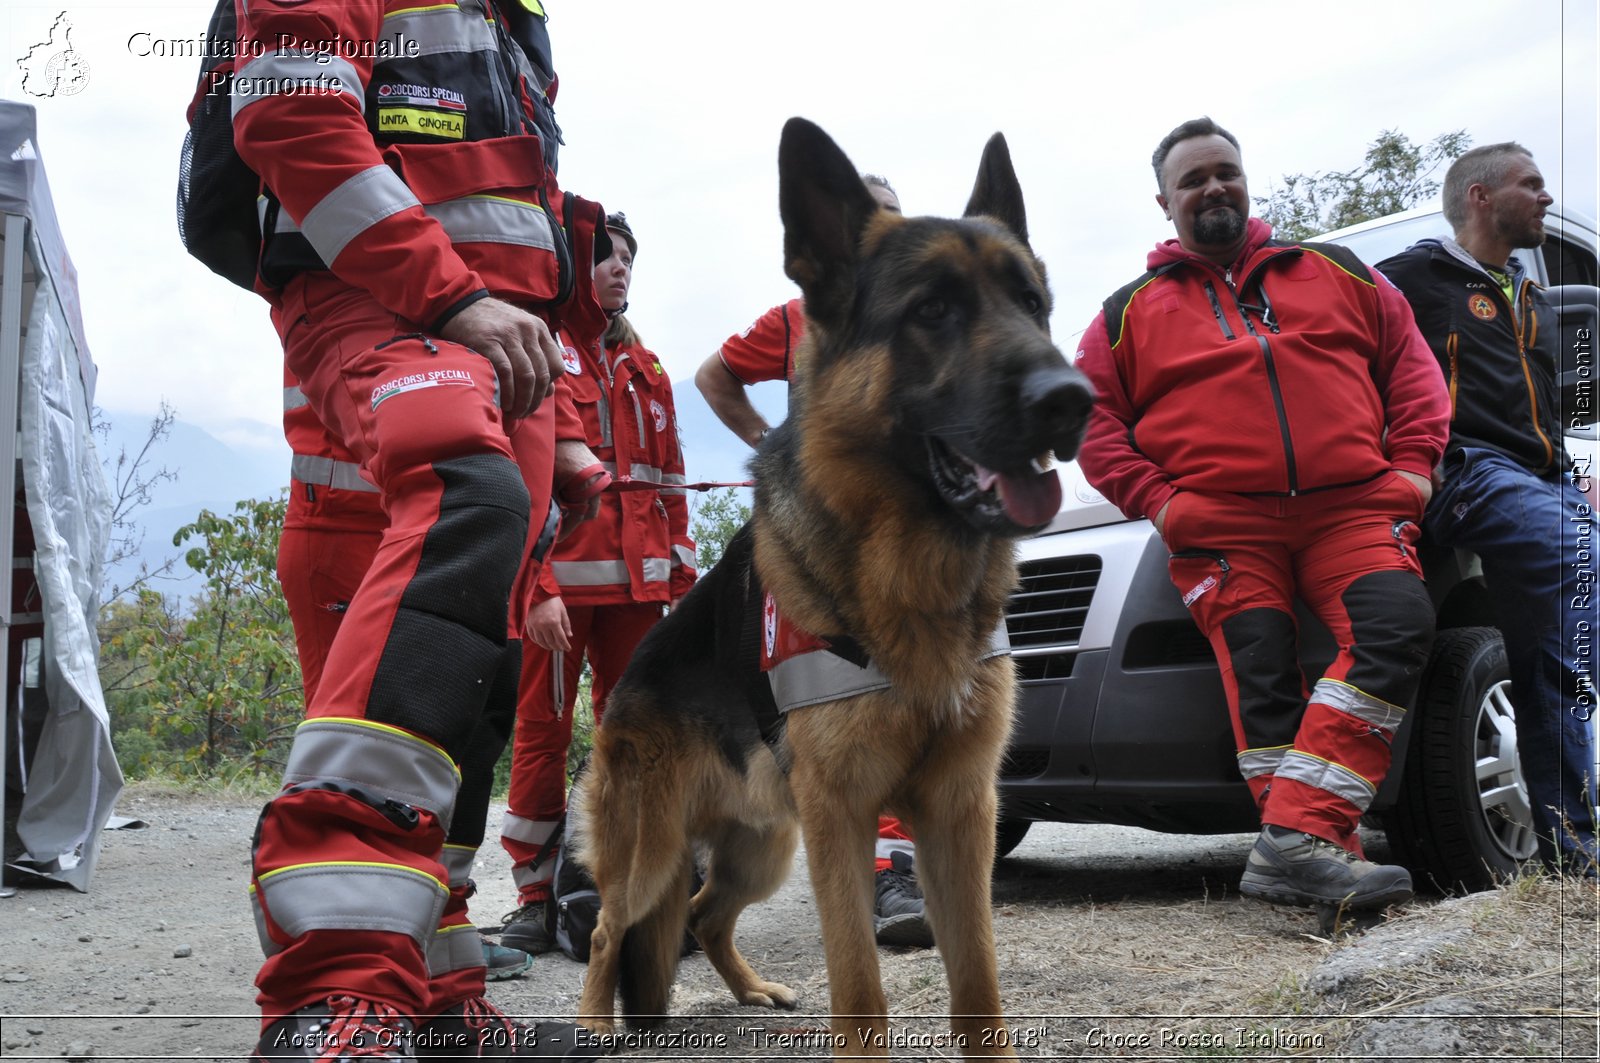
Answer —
(413, 252)
(1272, 408)
(762, 352)
(601, 589)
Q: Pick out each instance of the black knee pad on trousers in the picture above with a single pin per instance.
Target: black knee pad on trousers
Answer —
(444, 649)
(1391, 623)
(1266, 667)
(482, 753)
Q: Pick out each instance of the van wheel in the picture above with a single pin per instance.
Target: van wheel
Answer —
(1008, 834)
(1462, 820)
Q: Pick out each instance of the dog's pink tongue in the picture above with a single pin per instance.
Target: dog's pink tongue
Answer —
(1030, 498)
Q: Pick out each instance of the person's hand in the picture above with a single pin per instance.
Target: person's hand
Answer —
(1160, 519)
(549, 627)
(1423, 485)
(525, 356)
(579, 501)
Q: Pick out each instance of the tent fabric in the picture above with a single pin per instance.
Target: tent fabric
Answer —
(73, 780)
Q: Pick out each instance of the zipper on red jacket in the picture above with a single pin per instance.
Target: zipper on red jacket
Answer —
(1290, 465)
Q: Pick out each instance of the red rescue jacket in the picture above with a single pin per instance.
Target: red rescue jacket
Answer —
(637, 549)
(1296, 370)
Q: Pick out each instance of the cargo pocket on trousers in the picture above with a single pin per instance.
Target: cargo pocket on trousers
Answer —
(1199, 576)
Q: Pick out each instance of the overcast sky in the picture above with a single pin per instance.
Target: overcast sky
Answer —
(672, 113)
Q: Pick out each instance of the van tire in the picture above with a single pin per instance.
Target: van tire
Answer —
(1455, 831)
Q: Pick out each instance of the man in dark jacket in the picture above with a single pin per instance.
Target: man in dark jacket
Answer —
(1507, 491)
(1272, 409)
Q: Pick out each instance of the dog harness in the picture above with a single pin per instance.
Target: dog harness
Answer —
(805, 669)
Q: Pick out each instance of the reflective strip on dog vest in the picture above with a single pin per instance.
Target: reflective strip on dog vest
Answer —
(457, 860)
(327, 472)
(383, 762)
(343, 896)
(354, 207)
(455, 948)
(820, 676)
(608, 573)
(1263, 761)
(1322, 774)
(1358, 703)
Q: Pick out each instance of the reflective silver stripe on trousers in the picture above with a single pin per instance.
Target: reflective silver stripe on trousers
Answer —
(383, 762)
(1336, 779)
(608, 573)
(532, 832)
(527, 831)
(293, 71)
(326, 472)
(1358, 703)
(526, 876)
(455, 948)
(457, 861)
(820, 677)
(335, 896)
(436, 31)
(354, 207)
(1263, 761)
(268, 946)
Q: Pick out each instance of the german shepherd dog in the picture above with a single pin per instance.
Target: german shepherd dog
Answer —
(927, 402)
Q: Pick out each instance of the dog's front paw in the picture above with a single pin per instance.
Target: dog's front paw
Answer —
(770, 995)
(598, 1028)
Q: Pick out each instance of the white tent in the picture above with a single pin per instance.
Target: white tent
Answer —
(56, 533)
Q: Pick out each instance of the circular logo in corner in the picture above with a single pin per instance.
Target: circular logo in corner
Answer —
(1482, 307)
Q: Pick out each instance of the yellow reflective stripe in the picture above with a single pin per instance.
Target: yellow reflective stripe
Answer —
(381, 761)
(1263, 760)
(1356, 702)
(340, 895)
(455, 948)
(1336, 779)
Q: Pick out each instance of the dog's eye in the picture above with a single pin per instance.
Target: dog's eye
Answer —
(1031, 301)
(932, 309)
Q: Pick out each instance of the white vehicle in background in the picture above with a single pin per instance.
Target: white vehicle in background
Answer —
(1121, 716)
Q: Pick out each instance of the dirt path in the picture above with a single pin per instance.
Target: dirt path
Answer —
(1113, 943)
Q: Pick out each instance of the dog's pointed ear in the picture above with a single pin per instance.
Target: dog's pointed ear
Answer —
(997, 192)
(824, 206)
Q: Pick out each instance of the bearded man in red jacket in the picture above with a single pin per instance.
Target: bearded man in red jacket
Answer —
(1272, 409)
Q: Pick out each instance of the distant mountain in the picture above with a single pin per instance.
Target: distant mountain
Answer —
(210, 474)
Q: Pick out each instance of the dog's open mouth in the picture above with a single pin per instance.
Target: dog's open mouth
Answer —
(1026, 497)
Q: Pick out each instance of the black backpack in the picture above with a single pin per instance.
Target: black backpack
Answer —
(216, 191)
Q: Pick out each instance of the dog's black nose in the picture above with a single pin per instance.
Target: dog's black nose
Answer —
(1055, 403)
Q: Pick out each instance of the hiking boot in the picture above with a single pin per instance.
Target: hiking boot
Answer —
(501, 963)
(531, 928)
(897, 912)
(476, 1029)
(338, 1028)
(1289, 867)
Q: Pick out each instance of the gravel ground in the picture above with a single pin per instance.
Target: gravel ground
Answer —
(1113, 943)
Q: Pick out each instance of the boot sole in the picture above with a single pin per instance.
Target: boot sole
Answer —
(904, 931)
(1276, 894)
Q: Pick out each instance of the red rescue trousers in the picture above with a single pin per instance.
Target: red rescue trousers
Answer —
(352, 876)
(608, 635)
(1312, 759)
